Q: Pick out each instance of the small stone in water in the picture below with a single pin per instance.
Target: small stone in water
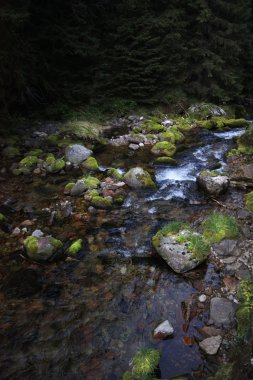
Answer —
(16, 231)
(123, 270)
(163, 330)
(202, 298)
(38, 233)
(24, 230)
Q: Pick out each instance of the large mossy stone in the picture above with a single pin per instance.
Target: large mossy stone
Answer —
(42, 248)
(138, 178)
(213, 183)
(164, 148)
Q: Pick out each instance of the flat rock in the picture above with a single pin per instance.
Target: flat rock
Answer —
(222, 312)
(211, 345)
(213, 185)
(163, 330)
(76, 154)
(225, 248)
(208, 331)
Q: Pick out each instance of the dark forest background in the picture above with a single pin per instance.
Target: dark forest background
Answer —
(97, 52)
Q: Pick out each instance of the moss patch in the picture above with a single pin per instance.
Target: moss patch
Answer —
(164, 148)
(28, 161)
(115, 174)
(75, 247)
(169, 230)
(68, 187)
(249, 201)
(146, 180)
(165, 160)
(168, 136)
(57, 166)
(2, 218)
(100, 202)
(196, 244)
(91, 182)
(31, 245)
(220, 226)
(91, 164)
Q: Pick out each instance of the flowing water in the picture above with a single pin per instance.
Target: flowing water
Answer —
(85, 319)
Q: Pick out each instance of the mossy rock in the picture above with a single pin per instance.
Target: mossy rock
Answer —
(75, 247)
(42, 248)
(153, 127)
(114, 173)
(149, 136)
(91, 164)
(2, 218)
(56, 166)
(119, 200)
(138, 178)
(165, 161)
(218, 227)
(207, 124)
(168, 136)
(91, 182)
(184, 127)
(143, 365)
(100, 202)
(164, 148)
(249, 201)
(179, 136)
(137, 129)
(50, 159)
(236, 123)
(171, 229)
(28, 162)
(69, 187)
(34, 152)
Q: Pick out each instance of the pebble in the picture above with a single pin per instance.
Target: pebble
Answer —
(123, 270)
(92, 210)
(38, 233)
(24, 230)
(202, 298)
(163, 330)
(141, 144)
(16, 231)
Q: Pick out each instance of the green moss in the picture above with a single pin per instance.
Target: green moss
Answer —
(137, 129)
(244, 313)
(184, 127)
(53, 139)
(91, 164)
(217, 165)
(50, 159)
(235, 123)
(91, 182)
(220, 226)
(68, 187)
(207, 124)
(164, 148)
(146, 180)
(168, 136)
(100, 202)
(119, 199)
(171, 229)
(210, 173)
(75, 247)
(179, 137)
(196, 244)
(57, 166)
(143, 366)
(28, 161)
(34, 152)
(115, 174)
(249, 201)
(165, 160)
(2, 218)
(149, 136)
(57, 244)
(31, 245)
(152, 126)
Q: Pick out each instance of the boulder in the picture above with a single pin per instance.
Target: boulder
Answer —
(42, 248)
(176, 250)
(222, 312)
(77, 153)
(163, 330)
(206, 109)
(211, 345)
(78, 188)
(138, 178)
(213, 183)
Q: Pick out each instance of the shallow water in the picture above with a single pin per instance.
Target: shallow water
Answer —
(86, 319)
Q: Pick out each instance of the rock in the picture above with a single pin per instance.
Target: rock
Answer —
(213, 183)
(38, 233)
(138, 178)
(208, 331)
(222, 312)
(226, 247)
(16, 231)
(11, 152)
(163, 330)
(76, 154)
(141, 145)
(174, 249)
(42, 248)
(78, 188)
(75, 247)
(211, 345)
(202, 298)
(168, 123)
(206, 109)
(164, 148)
(90, 164)
(134, 146)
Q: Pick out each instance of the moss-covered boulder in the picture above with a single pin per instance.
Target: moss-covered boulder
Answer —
(75, 247)
(138, 178)
(91, 182)
(168, 136)
(26, 165)
(143, 365)
(100, 202)
(213, 183)
(42, 248)
(114, 173)
(218, 226)
(164, 148)
(180, 247)
(90, 164)
(55, 166)
(153, 126)
(178, 135)
(165, 161)
(249, 201)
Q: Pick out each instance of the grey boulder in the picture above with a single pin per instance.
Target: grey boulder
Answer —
(76, 154)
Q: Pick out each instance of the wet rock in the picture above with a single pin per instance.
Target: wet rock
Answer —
(138, 178)
(38, 233)
(134, 146)
(226, 247)
(213, 183)
(78, 188)
(176, 254)
(211, 345)
(208, 331)
(222, 312)
(42, 248)
(76, 154)
(202, 298)
(163, 330)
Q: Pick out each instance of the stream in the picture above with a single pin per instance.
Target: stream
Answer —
(86, 319)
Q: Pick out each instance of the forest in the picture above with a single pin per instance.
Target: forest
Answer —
(61, 54)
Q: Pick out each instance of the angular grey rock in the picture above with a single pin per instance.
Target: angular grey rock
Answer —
(38, 233)
(226, 247)
(134, 146)
(211, 345)
(78, 188)
(213, 185)
(163, 330)
(76, 154)
(222, 312)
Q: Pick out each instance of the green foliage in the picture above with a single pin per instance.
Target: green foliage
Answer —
(244, 313)
(2, 218)
(143, 366)
(249, 201)
(219, 226)
(196, 244)
(225, 372)
(171, 229)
